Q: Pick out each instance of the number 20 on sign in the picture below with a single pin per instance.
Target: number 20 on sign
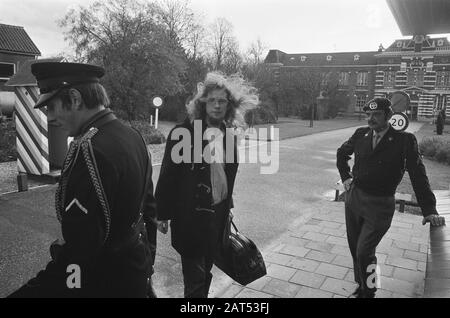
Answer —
(399, 121)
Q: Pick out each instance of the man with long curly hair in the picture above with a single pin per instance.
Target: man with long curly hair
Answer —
(195, 191)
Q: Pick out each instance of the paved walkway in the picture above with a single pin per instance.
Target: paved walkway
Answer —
(313, 260)
(437, 282)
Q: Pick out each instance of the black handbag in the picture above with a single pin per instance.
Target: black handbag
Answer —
(238, 256)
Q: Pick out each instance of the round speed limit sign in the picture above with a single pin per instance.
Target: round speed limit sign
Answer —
(399, 121)
(157, 101)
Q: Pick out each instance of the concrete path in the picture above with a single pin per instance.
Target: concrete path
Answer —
(313, 260)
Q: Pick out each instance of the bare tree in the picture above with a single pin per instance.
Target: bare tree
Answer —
(232, 61)
(220, 41)
(195, 42)
(255, 52)
(178, 18)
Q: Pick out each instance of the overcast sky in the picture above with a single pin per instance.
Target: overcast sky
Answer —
(293, 26)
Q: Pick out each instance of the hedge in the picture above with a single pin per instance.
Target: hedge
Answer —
(150, 134)
(436, 149)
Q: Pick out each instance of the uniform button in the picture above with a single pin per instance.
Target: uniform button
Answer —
(140, 235)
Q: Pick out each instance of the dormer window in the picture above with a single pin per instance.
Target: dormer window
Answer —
(399, 44)
(440, 42)
(303, 58)
(356, 57)
(329, 58)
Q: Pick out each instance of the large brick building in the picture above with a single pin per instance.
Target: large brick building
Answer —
(419, 66)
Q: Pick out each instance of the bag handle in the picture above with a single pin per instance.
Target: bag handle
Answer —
(234, 225)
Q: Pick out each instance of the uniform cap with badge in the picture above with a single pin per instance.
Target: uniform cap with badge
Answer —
(52, 77)
(378, 103)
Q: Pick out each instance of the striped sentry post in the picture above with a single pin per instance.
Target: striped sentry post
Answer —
(32, 132)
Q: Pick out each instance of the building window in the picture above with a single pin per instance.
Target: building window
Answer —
(361, 79)
(6, 70)
(442, 79)
(360, 102)
(415, 77)
(429, 66)
(356, 57)
(303, 58)
(343, 78)
(329, 58)
(325, 78)
(389, 79)
(403, 67)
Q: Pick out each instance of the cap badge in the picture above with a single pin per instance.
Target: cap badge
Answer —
(373, 105)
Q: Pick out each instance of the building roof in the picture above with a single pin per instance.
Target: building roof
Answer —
(14, 39)
(406, 47)
(421, 16)
(24, 77)
(322, 59)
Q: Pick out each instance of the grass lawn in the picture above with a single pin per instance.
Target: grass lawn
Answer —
(293, 127)
(438, 173)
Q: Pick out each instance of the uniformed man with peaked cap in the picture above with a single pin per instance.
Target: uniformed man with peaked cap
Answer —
(99, 199)
(382, 155)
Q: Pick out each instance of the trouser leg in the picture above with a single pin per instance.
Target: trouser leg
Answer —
(368, 241)
(197, 276)
(353, 223)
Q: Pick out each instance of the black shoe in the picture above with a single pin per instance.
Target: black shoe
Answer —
(366, 294)
(356, 293)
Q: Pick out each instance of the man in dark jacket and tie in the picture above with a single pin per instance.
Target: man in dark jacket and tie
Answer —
(382, 155)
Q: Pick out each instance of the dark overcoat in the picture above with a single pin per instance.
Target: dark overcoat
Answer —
(184, 196)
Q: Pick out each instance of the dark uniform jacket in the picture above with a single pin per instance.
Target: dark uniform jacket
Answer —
(378, 172)
(184, 196)
(102, 237)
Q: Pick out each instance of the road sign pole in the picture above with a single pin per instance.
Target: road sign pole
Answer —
(156, 118)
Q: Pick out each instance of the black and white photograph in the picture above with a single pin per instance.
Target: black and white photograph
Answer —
(233, 151)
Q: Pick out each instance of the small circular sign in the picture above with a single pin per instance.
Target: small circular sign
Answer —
(400, 101)
(399, 121)
(157, 101)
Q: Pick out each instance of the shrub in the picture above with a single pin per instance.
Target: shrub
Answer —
(8, 151)
(260, 115)
(443, 154)
(436, 148)
(428, 147)
(150, 134)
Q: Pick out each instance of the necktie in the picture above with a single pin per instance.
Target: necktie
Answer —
(376, 139)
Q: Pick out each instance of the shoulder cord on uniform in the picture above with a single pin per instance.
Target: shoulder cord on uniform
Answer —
(91, 163)
(69, 162)
(84, 144)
